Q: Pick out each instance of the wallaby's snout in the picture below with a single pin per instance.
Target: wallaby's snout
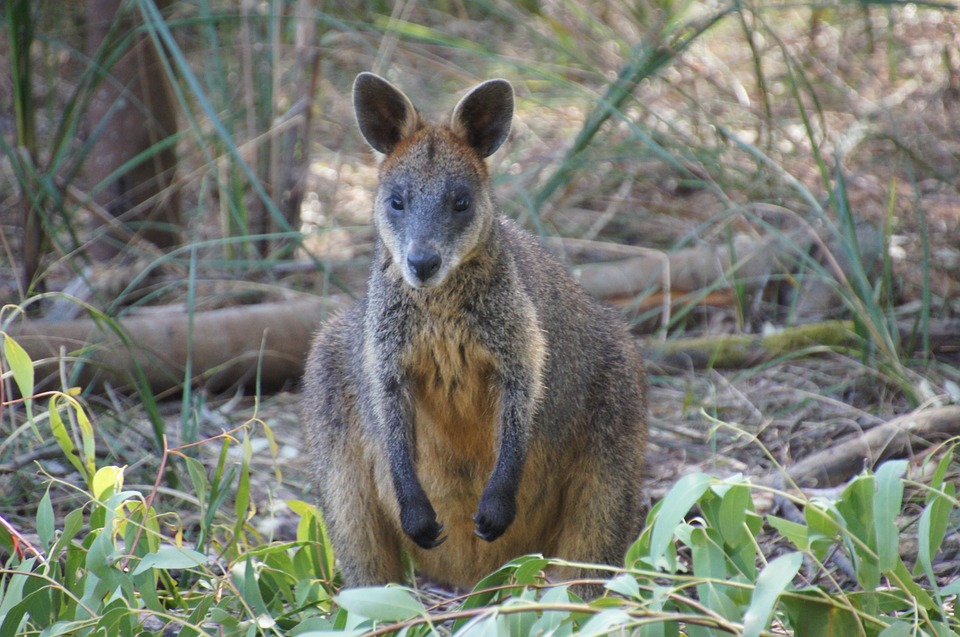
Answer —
(423, 262)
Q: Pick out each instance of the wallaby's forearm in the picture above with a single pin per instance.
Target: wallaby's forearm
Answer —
(417, 516)
(418, 519)
(498, 504)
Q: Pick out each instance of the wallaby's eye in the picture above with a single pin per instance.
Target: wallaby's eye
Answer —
(396, 202)
(461, 203)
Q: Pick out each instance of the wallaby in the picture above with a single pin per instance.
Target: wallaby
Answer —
(475, 405)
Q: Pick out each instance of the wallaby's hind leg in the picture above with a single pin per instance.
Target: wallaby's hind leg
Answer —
(598, 528)
(367, 545)
(603, 505)
(599, 520)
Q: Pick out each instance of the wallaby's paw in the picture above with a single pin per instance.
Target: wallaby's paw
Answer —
(494, 516)
(420, 524)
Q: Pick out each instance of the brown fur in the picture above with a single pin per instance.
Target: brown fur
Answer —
(475, 385)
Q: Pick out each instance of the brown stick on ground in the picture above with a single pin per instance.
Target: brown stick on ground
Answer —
(895, 438)
(752, 260)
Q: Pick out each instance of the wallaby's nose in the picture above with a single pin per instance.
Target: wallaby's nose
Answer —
(423, 263)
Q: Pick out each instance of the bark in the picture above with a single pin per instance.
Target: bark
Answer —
(131, 111)
(296, 146)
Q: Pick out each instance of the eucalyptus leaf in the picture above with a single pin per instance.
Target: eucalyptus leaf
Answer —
(734, 505)
(551, 620)
(20, 364)
(171, 558)
(107, 481)
(487, 625)
(886, 507)
(795, 533)
(771, 583)
(62, 436)
(624, 584)
(675, 506)
(605, 621)
(45, 521)
(389, 604)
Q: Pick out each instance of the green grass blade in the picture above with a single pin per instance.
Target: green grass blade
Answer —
(646, 59)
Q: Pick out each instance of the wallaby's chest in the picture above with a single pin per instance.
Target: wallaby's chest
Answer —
(455, 405)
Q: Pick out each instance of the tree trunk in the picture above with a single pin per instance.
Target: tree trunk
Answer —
(21, 24)
(132, 110)
(296, 147)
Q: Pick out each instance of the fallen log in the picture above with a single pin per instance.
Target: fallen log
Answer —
(747, 265)
(708, 268)
(221, 347)
(224, 346)
(897, 438)
(740, 351)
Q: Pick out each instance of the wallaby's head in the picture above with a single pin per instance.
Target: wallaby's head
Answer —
(434, 205)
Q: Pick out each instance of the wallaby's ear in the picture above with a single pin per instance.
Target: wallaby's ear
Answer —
(484, 115)
(384, 114)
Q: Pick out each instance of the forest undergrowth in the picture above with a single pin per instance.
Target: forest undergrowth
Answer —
(821, 136)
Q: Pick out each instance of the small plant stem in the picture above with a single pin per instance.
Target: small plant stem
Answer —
(148, 502)
(20, 541)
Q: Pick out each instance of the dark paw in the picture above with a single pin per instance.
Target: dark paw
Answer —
(494, 516)
(420, 524)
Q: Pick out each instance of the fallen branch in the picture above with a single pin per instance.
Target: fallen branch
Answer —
(741, 351)
(692, 270)
(224, 347)
(896, 438)
(745, 267)
(943, 336)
